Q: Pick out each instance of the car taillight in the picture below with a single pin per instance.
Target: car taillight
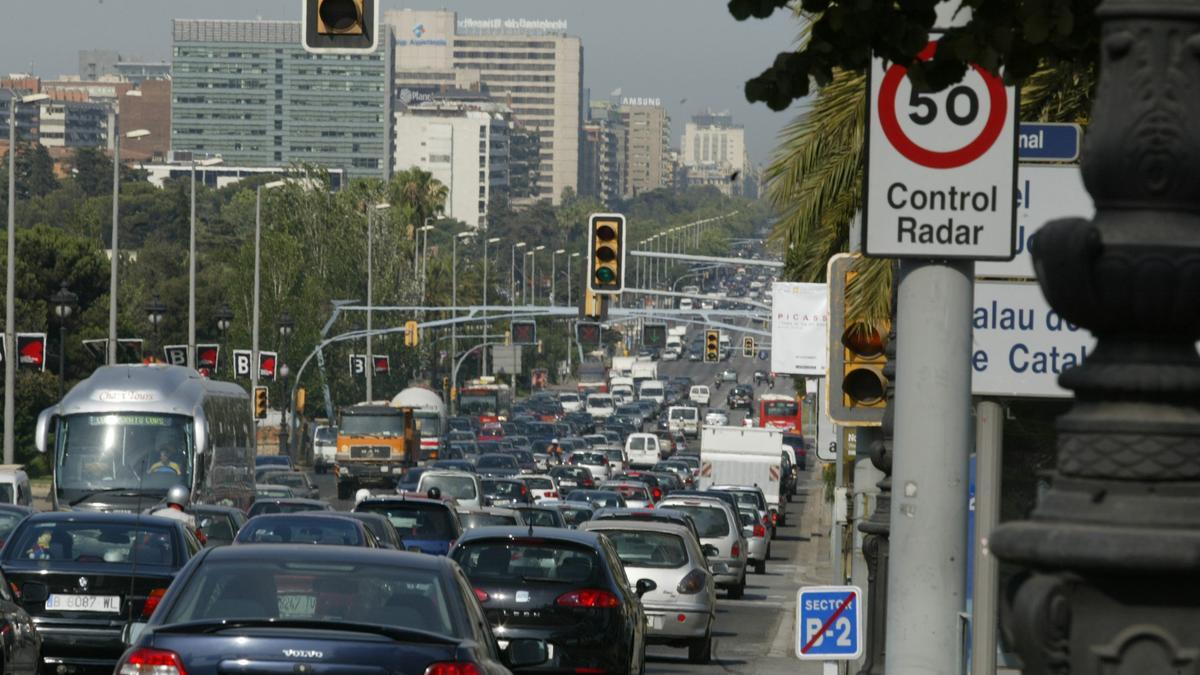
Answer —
(588, 597)
(481, 595)
(152, 601)
(553, 494)
(452, 668)
(15, 589)
(656, 493)
(147, 661)
(588, 482)
(760, 531)
(774, 517)
(693, 582)
(736, 551)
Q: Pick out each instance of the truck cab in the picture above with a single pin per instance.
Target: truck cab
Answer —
(375, 444)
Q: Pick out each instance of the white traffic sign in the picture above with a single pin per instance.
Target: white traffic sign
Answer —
(829, 623)
(941, 167)
(799, 328)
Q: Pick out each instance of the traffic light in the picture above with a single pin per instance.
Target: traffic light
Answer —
(588, 334)
(606, 256)
(524, 332)
(341, 26)
(412, 334)
(856, 387)
(654, 335)
(748, 347)
(301, 398)
(712, 346)
(594, 306)
(260, 403)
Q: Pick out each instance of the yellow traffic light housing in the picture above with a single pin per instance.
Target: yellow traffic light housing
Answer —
(341, 26)
(748, 347)
(712, 346)
(412, 334)
(856, 389)
(863, 383)
(260, 403)
(606, 256)
(301, 398)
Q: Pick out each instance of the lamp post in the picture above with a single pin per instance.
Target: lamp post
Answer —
(64, 303)
(554, 275)
(191, 346)
(254, 367)
(533, 273)
(425, 255)
(155, 311)
(486, 325)
(512, 274)
(454, 314)
(114, 262)
(10, 294)
(224, 317)
(370, 374)
(570, 338)
(525, 277)
(285, 325)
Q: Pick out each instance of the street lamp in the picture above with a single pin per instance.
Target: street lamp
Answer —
(191, 348)
(569, 337)
(64, 303)
(486, 324)
(10, 295)
(454, 314)
(554, 275)
(155, 311)
(285, 325)
(254, 367)
(113, 263)
(533, 273)
(370, 374)
(224, 317)
(512, 274)
(424, 255)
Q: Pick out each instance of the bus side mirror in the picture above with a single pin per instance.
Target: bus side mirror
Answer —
(42, 430)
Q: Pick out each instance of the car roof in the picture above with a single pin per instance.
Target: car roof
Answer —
(332, 554)
(292, 500)
(216, 508)
(398, 501)
(448, 472)
(489, 510)
(515, 532)
(640, 525)
(98, 517)
(325, 515)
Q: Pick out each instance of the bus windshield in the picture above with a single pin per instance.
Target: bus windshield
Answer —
(482, 403)
(779, 408)
(114, 451)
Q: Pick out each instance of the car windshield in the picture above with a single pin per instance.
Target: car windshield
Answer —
(684, 413)
(497, 462)
(414, 520)
(339, 592)
(615, 455)
(141, 451)
(92, 542)
(600, 402)
(300, 530)
(473, 520)
(635, 492)
(459, 487)
(325, 435)
(508, 563)
(710, 521)
(638, 548)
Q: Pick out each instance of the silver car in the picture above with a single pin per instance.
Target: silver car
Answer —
(719, 526)
(753, 500)
(682, 609)
(758, 548)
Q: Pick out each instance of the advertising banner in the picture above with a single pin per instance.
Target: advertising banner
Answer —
(799, 328)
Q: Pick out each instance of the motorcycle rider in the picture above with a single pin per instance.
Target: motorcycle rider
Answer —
(174, 506)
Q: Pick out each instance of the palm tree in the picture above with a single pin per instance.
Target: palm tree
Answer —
(814, 180)
(419, 192)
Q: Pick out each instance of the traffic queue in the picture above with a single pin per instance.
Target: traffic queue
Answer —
(546, 539)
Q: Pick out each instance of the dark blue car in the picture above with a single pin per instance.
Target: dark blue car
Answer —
(321, 609)
(427, 525)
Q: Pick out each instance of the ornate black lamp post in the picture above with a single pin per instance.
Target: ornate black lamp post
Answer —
(286, 324)
(224, 317)
(1113, 547)
(64, 304)
(155, 311)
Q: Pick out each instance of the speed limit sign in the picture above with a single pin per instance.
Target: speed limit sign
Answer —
(941, 167)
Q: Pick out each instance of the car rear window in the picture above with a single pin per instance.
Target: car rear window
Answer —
(710, 521)
(497, 462)
(473, 520)
(290, 530)
(459, 487)
(415, 521)
(338, 592)
(540, 518)
(504, 489)
(588, 458)
(630, 491)
(288, 479)
(539, 483)
(649, 549)
(508, 562)
(94, 543)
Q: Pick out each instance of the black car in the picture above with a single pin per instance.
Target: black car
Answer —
(378, 525)
(741, 396)
(506, 492)
(411, 478)
(220, 524)
(289, 505)
(301, 484)
(542, 516)
(566, 587)
(500, 464)
(572, 478)
(313, 527)
(426, 525)
(82, 576)
(11, 515)
(277, 608)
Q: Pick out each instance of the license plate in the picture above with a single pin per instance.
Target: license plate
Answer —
(84, 603)
(385, 469)
(655, 621)
(503, 644)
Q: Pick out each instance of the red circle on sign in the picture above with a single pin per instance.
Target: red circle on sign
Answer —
(997, 97)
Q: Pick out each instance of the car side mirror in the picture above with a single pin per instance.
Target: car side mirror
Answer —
(644, 586)
(526, 653)
(710, 551)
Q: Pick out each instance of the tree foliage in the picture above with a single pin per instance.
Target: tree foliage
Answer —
(1016, 37)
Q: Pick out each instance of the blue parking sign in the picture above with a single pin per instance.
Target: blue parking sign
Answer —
(829, 623)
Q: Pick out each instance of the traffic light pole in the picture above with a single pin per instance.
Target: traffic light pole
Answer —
(927, 575)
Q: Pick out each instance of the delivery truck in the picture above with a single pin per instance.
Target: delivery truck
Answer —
(744, 456)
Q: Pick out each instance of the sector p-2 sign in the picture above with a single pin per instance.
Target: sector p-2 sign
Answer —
(941, 167)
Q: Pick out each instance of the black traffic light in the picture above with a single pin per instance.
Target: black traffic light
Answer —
(524, 333)
(260, 403)
(856, 387)
(748, 347)
(341, 26)
(654, 335)
(712, 346)
(606, 256)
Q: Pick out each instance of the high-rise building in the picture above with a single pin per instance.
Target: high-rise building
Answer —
(464, 146)
(647, 143)
(532, 66)
(74, 124)
(97, 64)
(714, 152)
(602, 154)
(248, 90)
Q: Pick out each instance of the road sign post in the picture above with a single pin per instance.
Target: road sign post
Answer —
(829, 623)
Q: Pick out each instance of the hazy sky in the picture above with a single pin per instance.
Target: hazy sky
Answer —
(675, 50)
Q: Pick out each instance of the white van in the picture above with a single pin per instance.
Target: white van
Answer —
(642, 450)
(570, 401)
(600, 406)
(652, 390)
(699, 394)
(684, 418)
(726, 347)
(686, 304)
(14, 485)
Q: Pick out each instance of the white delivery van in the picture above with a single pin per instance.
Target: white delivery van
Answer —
(14, 485)
(699, 394)
(653, 390)
(642, 450)
(622, 366)
(600, 406)
(684, 418)
(744, 456)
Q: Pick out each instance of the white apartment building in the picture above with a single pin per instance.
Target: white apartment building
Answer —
(714, 149)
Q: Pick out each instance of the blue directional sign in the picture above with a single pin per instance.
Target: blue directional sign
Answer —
(1045, 142)
(829, 623)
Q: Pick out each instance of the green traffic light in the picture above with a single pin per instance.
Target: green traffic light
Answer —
(606, 275)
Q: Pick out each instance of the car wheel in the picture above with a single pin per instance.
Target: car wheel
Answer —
(760, 567)
(736, 592)
(700, 650)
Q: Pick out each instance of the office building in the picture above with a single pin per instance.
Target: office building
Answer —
(532, 66)
(98, 64)
(464, 146)
(74, 124)
(602, 154)
(248, 91)
(714, 152)
(647, 144)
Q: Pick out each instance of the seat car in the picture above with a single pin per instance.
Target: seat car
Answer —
(636, 494)
(82, 576)
(720, 526)
(499, 464)
(298, 481)
(565, 587)
(682, 609)
(592, 460)
(275, 609)
(427, 525)
(506, 492)
(571, 478)
(466, 488)
(219, 524)
(491, 516)
(313, 527)
(292, 505)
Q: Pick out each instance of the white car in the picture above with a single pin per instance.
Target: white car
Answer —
(600, 406)
(699, 394)
(570, 402)
(716, 418)
(643, 450)
(670, 355)
(685, 419)
(466, 488)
